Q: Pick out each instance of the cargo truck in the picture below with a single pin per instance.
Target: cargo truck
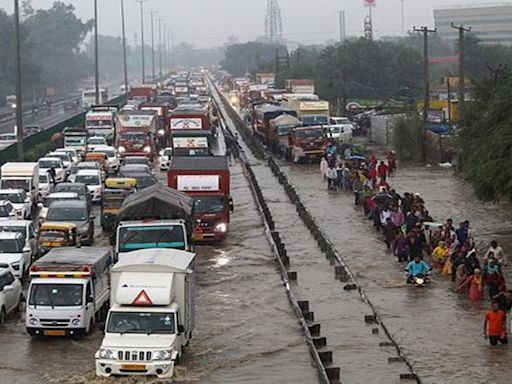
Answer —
(311, 112)
(100, 121)
(69, 291)
(191, 143)
(304, 86)
(206, 180)
(143, 93)
(155, 217)
(306, 143)
(135, 134)
(22, 176)
(152, 314)
(188, 118)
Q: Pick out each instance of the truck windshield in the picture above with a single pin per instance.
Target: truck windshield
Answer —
(209, 204)
(141, 322)
(143, 237)
(99, 123)
(56, 295)
(74, 141)
(309, 134)
(282, 130)
(15, 184)
(44, 164)
(135, 137)
(315, 120)
(10, 246)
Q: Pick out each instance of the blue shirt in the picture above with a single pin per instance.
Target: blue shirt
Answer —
(415, 269)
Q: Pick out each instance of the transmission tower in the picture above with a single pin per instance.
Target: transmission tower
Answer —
(273, 21)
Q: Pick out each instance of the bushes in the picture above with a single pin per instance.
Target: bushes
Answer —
(408, 137)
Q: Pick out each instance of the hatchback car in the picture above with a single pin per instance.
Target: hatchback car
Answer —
(48, 163)
(13, 251)
(76, 212)
(10, 292)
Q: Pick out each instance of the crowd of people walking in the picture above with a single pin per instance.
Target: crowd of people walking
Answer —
(424, 246)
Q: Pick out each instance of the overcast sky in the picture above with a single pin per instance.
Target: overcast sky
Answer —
(211, 22)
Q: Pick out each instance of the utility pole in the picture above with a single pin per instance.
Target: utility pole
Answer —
(19, 103)
(403, 16)
(142, 39)
(125, 65)
(152, 46)
(160, 46)
(169, 44)
(165, 49)
(96, 58)
(449, 92)
(342, 26)
(426, 106)
(462, 67)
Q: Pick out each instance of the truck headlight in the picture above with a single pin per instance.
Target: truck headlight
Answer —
(75, 322)
(161, 132)
(33, 321)
(147, 149)
(106, 354)
(16, 266)
(162, 355)
(121, 149)
(222, 227)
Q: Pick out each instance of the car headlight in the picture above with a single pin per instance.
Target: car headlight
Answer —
(147, 149)
(162, 355)
(75, 322)
(107, 354)
(161, 132)
(121, 149)
(33, 321)
(16, 266)
(222, 227)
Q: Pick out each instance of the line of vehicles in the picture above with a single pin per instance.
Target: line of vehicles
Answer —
(142, 285)
(294, 122)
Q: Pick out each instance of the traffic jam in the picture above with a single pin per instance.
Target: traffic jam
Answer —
(103, 229)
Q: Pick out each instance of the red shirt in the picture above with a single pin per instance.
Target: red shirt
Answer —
(383, 170)
(495, 322)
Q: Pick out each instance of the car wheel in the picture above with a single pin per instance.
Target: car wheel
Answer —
(20, 304)
(2, 316)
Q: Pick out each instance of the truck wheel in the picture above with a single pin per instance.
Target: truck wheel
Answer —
(2, 316)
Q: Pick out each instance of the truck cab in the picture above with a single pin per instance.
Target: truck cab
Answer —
(307, 143)
(136, 134)
(152, 314)
(207, 181)
(68, 292)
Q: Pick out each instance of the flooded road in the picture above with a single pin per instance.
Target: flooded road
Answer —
(439, 330)
(245, 329)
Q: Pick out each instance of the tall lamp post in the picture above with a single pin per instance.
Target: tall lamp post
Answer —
(153, 70)
(125, 66)
(96, 63)
(19, 104)
(142, 39)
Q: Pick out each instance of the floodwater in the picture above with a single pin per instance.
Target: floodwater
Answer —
(245, 330)
(440, 331)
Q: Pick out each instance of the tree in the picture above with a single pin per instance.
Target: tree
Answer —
(240, 59)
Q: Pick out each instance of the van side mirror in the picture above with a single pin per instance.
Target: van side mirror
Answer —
(90, 299)
(181, 329)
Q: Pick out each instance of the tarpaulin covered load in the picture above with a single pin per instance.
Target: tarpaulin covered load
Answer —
(158, 202)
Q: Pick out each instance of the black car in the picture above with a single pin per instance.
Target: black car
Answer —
(78, 188)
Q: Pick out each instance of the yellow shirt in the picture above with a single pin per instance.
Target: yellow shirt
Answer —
(439, 253)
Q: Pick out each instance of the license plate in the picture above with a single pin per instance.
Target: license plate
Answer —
(198, 237)
(133, 367)
(54, 333)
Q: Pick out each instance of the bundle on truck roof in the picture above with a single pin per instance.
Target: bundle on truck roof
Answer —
(90, 260)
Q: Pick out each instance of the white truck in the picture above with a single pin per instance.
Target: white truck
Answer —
(69, 291)
(152, 314)
(21, 176)
(100, 121)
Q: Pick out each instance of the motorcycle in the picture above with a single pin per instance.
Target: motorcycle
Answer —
(418, 281)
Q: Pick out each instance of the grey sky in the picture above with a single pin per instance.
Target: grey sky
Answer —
(210, 22)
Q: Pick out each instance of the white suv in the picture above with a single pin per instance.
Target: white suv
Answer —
(15, 253)
(10, 292)
(92, 178)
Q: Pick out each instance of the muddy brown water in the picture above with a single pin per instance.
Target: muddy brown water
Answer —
(245, 330)
(439, 330)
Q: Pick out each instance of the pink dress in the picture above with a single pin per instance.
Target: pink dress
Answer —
(476, 291)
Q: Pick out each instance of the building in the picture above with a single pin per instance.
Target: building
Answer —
(492, 24)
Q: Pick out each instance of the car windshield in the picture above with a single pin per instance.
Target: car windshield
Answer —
(13, 197)
(88, 179)
(88, 165)
(9, 246)
(163, 236)
(310, 134)
(135, 161)
(14, 229)
(78, 189)
(62, 156)
(145, 181)
(209, 204)
(283, 130)
(96, 141)
(56, 295)
(15, 184)
(141, 322)
(66, 214)
(110, 154)
(47, 201)
(50, 235)
(133, 137)
(47, 164)
(168, 152)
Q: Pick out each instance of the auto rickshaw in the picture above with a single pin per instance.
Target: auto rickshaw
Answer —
(115, 192)
(57, 234)
(98, 157)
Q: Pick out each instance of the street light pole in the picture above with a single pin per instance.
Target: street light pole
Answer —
(96, 63)
(142, 39)
(152, 46)
(19, 104)
(125, 66)
(160, 45)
